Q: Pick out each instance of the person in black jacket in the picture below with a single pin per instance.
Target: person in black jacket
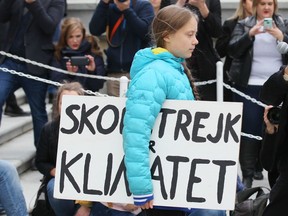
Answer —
(203, 61)
(126, 24)
(30, 26)
(274, 152)
(47, 153)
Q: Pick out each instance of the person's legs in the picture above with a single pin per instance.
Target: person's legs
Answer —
(12, 108)
(252, 123)
(258, 175)
(11, 195)
(36, 94)
(61, 207)
(98, 209)
(247, 158)
(8, 82)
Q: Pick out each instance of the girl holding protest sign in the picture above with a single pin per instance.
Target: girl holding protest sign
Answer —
(157, 74)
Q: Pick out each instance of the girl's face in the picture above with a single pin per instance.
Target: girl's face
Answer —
(248, 7)
(65, 92)
(75, 38)
(265, 9)
(182, 43)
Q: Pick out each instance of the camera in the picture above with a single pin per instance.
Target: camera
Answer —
(273, 115)
(79, 60)
(268, 23)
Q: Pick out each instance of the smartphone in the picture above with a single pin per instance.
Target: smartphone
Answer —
(268, 23)
(79, 60)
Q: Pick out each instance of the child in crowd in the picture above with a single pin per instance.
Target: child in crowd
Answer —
(47, 153)
(74, 42)
(157, 74)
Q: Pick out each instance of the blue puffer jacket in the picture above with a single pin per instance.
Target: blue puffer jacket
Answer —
(156, 75)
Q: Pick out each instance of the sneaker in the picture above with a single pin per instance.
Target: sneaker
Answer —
(258, 175)
(15, 111)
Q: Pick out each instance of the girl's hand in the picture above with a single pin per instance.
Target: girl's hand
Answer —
(71, 68)
(147, 205)
(130, 207)
(91, 66)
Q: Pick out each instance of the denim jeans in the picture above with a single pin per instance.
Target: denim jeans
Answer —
(99, 209)
(207, 212)
(11, 196)
(61, 207)
(34, 90)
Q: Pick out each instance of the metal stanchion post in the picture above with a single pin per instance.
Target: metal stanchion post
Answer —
(219, 78)
(123, 86)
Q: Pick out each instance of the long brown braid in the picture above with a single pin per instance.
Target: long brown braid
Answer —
(191, 80)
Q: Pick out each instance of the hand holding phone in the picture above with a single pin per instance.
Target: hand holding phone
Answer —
(267, 23)
(79, 60)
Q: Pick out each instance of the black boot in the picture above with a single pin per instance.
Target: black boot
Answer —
(258, 175)
(12, 109)
(248, 158)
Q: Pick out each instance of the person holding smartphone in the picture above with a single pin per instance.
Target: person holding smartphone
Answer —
(77, 52)
(255, 58)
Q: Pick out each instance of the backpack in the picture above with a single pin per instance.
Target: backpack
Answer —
(251, 202)
(41, 206)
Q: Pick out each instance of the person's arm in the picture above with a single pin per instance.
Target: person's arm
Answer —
(5, 10)
(213, 20)
(210, 15)
(142, 110)
(223, 41)
(98, 22)
(47, 19)
(43, 161)
(275, 89)
(96, 84)
(139, 18)
(240, 41)
(269, 146)
(55, 75)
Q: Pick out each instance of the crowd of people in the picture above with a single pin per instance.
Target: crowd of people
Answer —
(161, 45)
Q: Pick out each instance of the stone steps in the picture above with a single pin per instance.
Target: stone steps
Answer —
(16, 136)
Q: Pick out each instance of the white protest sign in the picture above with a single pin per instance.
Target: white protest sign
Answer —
(194, 151)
